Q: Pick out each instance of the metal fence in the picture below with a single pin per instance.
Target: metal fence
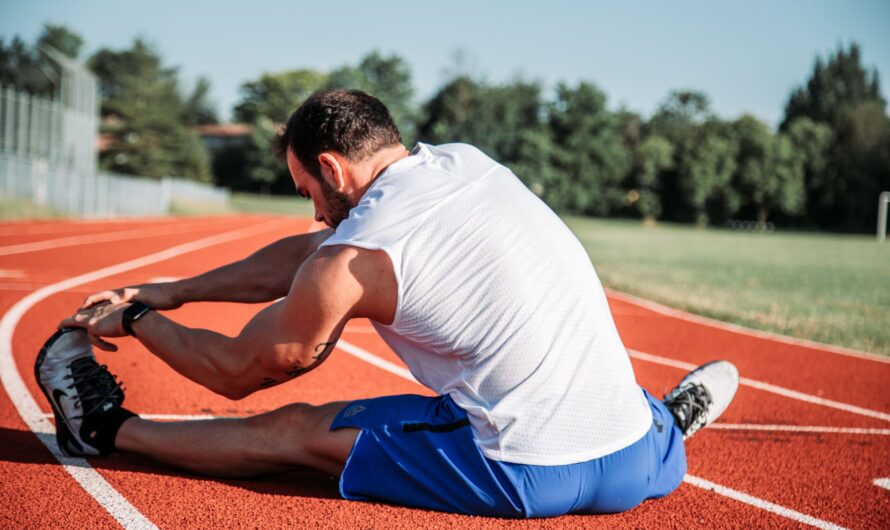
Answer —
(97, 194)
(48, 154)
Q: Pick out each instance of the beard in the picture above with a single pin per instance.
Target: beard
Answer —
(339, 204)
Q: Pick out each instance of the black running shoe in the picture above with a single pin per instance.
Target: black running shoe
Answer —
(702, 396)
(83, 394)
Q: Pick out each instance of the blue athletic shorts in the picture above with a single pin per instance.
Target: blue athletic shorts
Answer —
(419, 451)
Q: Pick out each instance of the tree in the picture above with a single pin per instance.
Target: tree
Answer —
(143, 113)
(696, 186)
(277, 95)
(263, 168)
(589, 154)
(846, 97)
(704, 171)
(770, 174)
(61, 39)
(197, 108)
(834, 88)
(451, 114)
(651, 157)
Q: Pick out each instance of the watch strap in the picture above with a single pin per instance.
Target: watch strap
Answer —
(133, 313)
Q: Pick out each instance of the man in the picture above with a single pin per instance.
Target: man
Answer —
(478, 286)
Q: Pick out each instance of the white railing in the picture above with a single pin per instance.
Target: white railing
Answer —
(98, 195)
(883, 200)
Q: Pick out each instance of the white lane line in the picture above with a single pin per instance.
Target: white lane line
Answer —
(882, 483)
(367, 356)
(90, 479)
(760, 503)
(698, 319)
(767, 387)
(797, 428)
(103, 237)
(370, 358)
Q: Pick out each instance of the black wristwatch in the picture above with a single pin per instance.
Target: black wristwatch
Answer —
(133, 313)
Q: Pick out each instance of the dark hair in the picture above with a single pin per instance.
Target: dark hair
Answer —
(349, 122)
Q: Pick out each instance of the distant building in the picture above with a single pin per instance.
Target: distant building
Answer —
(219, 136)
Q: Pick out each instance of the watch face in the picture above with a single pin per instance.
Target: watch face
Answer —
(136, 310)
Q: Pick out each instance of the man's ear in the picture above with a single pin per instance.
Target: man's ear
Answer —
(332, 170)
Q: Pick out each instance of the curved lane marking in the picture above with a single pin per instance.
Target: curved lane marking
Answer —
(743, 330)
(767, 387)
(90, 479)
(882, 483)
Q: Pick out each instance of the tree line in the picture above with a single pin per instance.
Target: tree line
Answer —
(823, 168)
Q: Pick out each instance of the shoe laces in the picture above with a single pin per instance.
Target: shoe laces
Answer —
(689, 404)
(95, 386)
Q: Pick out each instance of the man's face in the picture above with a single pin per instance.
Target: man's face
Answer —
(331, 206)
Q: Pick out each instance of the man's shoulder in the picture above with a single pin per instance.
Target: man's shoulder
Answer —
(344, 268)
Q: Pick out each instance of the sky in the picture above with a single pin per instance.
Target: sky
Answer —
(746, 56)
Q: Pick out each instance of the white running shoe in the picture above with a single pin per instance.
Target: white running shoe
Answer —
(81, 392)
(702, 396)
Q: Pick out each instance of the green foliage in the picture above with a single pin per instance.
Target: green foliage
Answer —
(588, 152)
(263, 167)
(651, 157)
(144, 113)
(197, 108)
(843, 95)
(60, 39)
(835, 87)
(770, 173)
(276, 96)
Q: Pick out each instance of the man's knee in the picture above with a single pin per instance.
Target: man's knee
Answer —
(300, 434)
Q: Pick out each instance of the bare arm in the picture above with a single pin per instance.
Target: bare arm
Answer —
(265, 275)
(283, 341)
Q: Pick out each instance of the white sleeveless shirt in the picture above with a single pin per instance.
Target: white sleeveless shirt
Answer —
(500, 308)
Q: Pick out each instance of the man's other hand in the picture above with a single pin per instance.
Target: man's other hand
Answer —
(100, 320)
(160, 296)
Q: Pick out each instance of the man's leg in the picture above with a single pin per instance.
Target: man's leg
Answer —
(274, 442)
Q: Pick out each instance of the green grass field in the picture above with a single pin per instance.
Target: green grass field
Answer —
(829, 288)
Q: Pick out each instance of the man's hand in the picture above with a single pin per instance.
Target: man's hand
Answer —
(100, 320)
(160, 296)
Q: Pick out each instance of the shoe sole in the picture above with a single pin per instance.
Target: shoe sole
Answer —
(66, 441)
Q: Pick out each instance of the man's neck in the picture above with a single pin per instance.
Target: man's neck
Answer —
(372, 167)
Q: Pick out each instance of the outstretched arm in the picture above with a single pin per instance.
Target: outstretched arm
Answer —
(265, 275)
(285, 340)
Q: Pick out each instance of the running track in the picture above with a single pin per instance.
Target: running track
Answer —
(806, 442)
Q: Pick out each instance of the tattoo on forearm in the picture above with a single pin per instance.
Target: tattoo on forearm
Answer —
(321, 353)
(267, 382)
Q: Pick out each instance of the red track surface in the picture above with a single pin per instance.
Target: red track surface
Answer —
(826, 476)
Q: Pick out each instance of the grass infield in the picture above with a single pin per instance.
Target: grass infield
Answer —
(830, 288)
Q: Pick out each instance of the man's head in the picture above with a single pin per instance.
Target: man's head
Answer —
(325, 142)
